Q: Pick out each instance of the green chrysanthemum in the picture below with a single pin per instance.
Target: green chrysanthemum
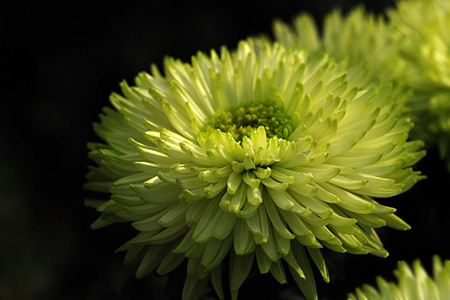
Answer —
(360, 38)
(412, 284)
(264, 154)
(423, 28)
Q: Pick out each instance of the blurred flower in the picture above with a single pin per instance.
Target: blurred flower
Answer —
(422, 27)
(411, 48)
(263, 154)
(360, 38)
(412, 284)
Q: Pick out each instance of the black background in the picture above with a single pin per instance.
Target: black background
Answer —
(60, 62)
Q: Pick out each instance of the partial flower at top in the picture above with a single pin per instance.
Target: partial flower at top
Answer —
(263, 155)
(360, 38)
(410, 47)
(422, 26)
(412, 284)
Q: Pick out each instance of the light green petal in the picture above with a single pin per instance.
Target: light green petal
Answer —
(240, 266)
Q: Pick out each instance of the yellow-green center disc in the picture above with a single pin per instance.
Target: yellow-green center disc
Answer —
(241, 121)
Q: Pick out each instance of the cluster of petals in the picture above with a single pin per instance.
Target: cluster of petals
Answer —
(199, 195)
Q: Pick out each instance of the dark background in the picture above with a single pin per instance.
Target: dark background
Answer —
(60, 62)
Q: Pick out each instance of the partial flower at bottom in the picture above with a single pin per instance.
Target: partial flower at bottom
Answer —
(412, 283)
(263, 155)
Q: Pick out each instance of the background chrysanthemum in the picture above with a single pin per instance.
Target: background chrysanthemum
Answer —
(421, 27)
(263, 155)
(412, 283)
(359, 37)
(410, 46)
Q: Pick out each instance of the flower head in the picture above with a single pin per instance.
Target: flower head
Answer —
(422, 28)
(263, 154)
(412, 284)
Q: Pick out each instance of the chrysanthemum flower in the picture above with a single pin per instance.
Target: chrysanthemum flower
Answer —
(359, 37)
(412, 284)
(263, 155)
(423, 28)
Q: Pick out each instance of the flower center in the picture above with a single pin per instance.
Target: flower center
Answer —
(242, 120)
